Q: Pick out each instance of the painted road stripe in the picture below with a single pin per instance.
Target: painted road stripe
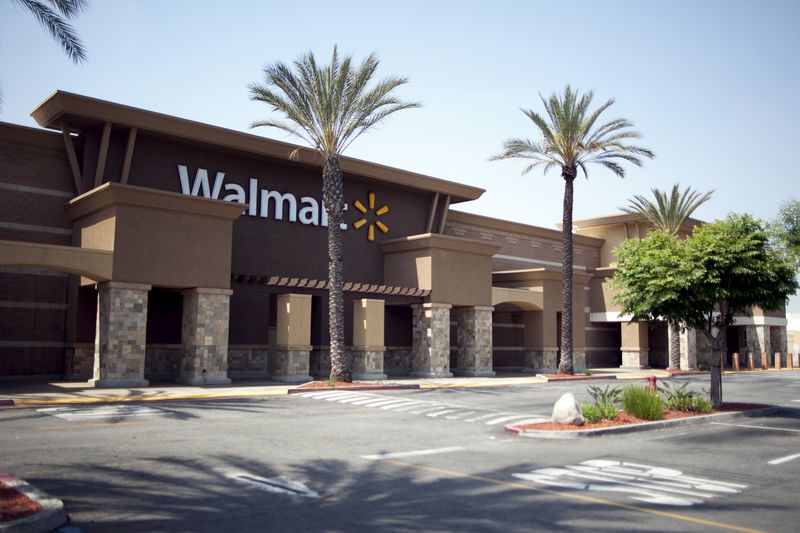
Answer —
(784, 459)
(396, 455)
(437, 413)
(505, 419)
(459, 415)
(475, 419)
(756, 427)
(405, 403)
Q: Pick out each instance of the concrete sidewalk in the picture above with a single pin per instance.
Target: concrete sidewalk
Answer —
(32, 393)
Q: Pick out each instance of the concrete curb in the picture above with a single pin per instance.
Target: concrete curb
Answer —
(577, 378)
(52, 515)
(644, 426)
(298, 390)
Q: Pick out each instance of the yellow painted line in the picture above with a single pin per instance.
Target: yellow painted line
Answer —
(66, 425)
(123, 399)
(577, 497)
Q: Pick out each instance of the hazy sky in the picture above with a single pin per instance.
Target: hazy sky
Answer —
(709, 84)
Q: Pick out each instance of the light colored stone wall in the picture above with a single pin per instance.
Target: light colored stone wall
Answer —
(162, 361)
(292, 364)
(431, 340)
(204, 335)
(473, 341)
(80, 361)
(121, 332)
(368, 363)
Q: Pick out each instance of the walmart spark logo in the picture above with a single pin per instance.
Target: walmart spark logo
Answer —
(378, 213)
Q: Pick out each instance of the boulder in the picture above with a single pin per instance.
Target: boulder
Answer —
(567, 410)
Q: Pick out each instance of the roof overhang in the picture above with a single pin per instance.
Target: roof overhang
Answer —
(76, 112)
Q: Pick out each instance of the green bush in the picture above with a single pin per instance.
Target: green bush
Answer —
(595, 412)
(679, 398)
(641, 403)
(607, 395)
(701, 405)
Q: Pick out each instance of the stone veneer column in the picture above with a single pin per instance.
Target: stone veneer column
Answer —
(635, 345)
(431, 343)
(474, 341)
(293, 338)
(368, 345)
(758, 341)
(119, 353)
(204, 337)
(688, 349)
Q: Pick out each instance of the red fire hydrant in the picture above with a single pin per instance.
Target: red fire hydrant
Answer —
(651, 382)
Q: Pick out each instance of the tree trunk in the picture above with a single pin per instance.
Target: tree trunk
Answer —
(565, 366)
(333, 198)
(674, 347)
(716, 371)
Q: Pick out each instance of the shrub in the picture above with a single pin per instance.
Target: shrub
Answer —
(641, 403)
(595, 412)
(609, 394)
(679, 398)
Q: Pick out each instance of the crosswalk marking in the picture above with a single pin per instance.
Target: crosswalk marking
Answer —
(651, 484)
(113, 412)
(428, 408)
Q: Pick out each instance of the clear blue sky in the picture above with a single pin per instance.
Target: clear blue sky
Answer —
(711, 85)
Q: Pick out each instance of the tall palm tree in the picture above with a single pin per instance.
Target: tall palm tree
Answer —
(571, 139)
(667, 214)
(328, 107)
(54, 21)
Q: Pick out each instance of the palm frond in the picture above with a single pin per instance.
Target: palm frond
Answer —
(56, 24)
(667, 213)
(328, 106)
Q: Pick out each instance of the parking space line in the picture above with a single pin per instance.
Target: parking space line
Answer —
(785, 459)
(756, 427)
(576, 497)
(432, 451)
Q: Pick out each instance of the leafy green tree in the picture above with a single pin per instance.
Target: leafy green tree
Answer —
(785, 230)
(328, 107)
(668, 213)
(723, 269)
(572, 139)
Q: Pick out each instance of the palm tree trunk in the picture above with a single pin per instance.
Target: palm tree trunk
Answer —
(674, 347)
(333, 198)
(565, 365)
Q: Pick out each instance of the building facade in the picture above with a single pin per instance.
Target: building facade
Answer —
(136, 246)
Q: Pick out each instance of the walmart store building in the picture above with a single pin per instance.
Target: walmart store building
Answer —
(136, 246)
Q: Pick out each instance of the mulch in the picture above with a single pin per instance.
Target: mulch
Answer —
(15, 505)
(625, 419)
(327, 384)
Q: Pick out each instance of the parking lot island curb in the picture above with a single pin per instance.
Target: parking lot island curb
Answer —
(52, 515)
(644, 426)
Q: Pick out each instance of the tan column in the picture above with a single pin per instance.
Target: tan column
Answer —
(119, 354)
(634, 347)
(293, 338)
(368, 345)
(579, 320)
(540, 342)
(474, 341)
(688, 349)
(430, 357)
(204, 337)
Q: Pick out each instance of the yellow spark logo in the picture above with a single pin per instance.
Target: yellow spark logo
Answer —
(378, 213)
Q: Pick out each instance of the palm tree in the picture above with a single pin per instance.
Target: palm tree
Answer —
(328, 107)
(571, 140)
(667, 214)
(56, 24)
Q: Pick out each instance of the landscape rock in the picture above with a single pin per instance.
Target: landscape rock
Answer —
(567, 411)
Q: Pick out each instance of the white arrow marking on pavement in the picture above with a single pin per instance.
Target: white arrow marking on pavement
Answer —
(276, 484)
(786, 459)
(433, 451)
